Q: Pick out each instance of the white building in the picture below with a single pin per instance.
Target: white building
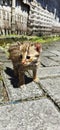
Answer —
(26, 17)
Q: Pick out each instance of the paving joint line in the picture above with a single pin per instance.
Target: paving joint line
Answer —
(49, 97)
(52, 76)
(22, 100)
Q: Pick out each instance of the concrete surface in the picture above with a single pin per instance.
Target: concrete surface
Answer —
(35, 106)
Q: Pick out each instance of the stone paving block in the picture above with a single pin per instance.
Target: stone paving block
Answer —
(52, 87)
(53, 49)
(2, 55)
(30, 90)
(47, 53)
(1, 51)
(48, 62)
(45, 72)
(54, 46)
(56, 58)
(31, 115)
(55, 52)
(3, 59)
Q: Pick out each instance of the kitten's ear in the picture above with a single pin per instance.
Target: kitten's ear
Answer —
(38, 47)
(18, 43)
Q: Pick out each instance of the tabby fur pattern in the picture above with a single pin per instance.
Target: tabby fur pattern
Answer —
(24, 57)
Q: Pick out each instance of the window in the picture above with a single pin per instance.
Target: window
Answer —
(7, 16)
(3, 15)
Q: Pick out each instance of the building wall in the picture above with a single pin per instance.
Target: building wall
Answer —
(41, 21)
(27, 17)
(5, 20)
(13, 18)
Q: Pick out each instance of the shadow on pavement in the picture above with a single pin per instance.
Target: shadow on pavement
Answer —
(13, 79)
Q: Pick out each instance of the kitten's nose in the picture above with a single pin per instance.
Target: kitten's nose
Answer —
(23, 62)
(28, 57)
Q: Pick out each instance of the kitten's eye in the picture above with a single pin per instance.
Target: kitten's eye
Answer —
(20, 56)
(36, 55)
(28, 57)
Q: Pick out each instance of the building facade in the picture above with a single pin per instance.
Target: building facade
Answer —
(27, 17)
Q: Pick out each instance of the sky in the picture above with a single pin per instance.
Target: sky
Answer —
(51, 5)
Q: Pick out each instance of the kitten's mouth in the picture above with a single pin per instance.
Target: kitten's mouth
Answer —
(24, 62)
(27, 61)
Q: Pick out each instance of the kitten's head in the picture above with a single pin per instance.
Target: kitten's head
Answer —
(29, 53)
(25, 53)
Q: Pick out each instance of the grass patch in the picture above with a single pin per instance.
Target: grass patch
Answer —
(5, 41)
(44, 39)
(9, 39)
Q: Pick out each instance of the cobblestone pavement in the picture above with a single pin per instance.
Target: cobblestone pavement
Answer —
(35, 106)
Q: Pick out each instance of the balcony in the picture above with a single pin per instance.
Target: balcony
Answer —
(26, 2)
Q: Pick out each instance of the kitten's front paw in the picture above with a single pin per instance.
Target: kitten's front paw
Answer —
(21, 85)
(36, 80)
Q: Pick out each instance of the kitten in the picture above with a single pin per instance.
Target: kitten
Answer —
(25, 56)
